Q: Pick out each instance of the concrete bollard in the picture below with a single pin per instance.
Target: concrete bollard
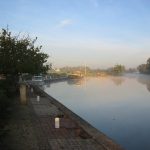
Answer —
(32, 90)
(57, 122)
(38, 98)
(23, 94)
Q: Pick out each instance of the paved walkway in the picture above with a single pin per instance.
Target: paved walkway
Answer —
(69, 136)
(74, 133)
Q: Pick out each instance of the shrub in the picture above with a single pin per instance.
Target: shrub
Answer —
(7, 91)
(4, 101)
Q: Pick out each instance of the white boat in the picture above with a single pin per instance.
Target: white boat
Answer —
(38, 80)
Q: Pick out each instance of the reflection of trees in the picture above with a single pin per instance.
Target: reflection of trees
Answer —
(75, 81)
(118, 80)
(42, 87)
(47, 84)
(145, 80)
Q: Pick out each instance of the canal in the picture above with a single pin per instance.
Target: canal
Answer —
(117, 106)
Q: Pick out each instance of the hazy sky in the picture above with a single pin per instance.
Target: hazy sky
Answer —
(100, 33)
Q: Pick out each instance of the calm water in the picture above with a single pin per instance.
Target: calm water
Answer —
(117, 106)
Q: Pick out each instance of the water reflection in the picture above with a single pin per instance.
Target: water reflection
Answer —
(120, 109)
(77, 82)
(47, 83)
(117, 80)
(42, 87)
(145, 79)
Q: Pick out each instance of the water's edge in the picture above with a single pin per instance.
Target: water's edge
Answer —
(97, 135)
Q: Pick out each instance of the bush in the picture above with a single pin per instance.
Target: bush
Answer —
(9, 87)
(4, 101)
(7, 92)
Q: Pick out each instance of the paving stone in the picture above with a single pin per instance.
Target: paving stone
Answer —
(42, 101)
(74, 144)
(46, 110)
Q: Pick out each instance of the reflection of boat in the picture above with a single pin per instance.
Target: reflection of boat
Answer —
(102, 74)
(47, 78)
(75, 76)
(38, 80)
(75, 81)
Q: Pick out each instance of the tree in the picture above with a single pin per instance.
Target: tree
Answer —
(118, 69)
(148, 65)
(20, 55)
(144, 68)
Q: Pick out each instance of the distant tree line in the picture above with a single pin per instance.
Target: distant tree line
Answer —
(144, 68)
(68, 69)
(116, 70)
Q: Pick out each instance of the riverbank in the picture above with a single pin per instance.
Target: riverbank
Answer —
(32, 126)
(81, 128)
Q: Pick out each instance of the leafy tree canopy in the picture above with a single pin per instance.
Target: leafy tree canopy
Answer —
(20, 55)
(118, 69)
(144, 68)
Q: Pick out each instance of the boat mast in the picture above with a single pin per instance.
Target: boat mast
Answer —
(85, 70)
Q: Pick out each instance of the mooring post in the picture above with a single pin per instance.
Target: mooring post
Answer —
(23, 93)
(57, 122)
(38, 98)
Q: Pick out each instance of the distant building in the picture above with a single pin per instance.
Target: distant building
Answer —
(78, 73)
(57, 69)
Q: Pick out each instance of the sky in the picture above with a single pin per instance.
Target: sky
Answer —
(98, 33)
